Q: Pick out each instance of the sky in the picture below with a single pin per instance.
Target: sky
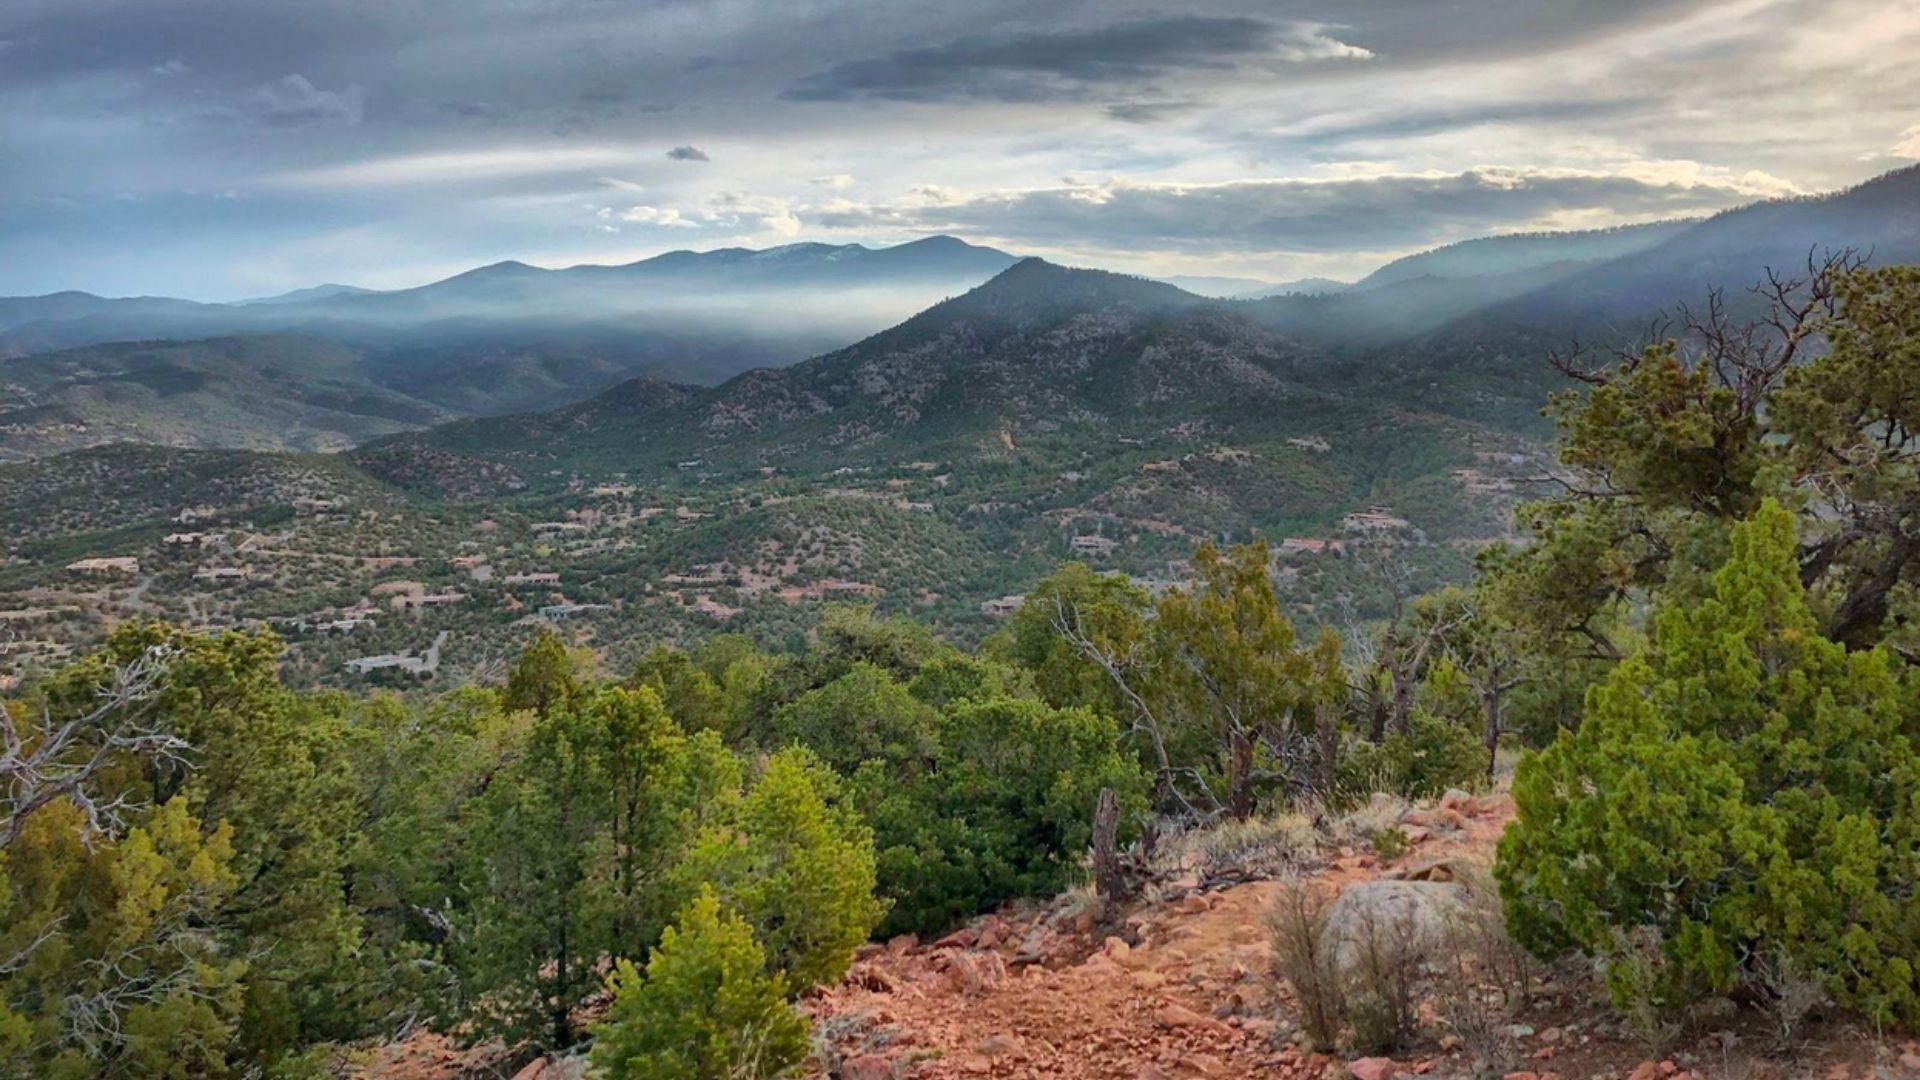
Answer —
(220, 149)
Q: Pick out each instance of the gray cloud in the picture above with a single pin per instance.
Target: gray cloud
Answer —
(1150, 112)
(1358, 215)
(688, 153)
(386, 143)
(1045, 65)
(294, 101)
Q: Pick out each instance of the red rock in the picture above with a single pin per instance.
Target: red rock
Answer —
(1373, 1068)
(1522, 1076)
(1198, 1065)
(959, 939)
(1179, 1016)
(532, 1071)
(867, 1067)
(902, 945)
(998, 1046)
(975, 973)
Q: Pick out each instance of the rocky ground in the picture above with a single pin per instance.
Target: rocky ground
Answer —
(1178, 987)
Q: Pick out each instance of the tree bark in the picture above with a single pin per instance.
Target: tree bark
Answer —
(1240, 775)
(1326, 736)
(1107, 877)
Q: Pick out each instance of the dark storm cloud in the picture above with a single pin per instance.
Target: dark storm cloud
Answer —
(1045, 65)
(688, 153)
(1368, 214)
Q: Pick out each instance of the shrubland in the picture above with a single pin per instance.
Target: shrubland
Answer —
(1704, 652)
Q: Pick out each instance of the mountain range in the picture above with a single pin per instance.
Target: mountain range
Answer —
(1459, 328)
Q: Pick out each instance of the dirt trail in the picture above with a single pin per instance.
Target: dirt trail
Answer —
(1173, 991)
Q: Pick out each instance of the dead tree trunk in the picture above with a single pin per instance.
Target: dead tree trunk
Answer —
(1107, 875)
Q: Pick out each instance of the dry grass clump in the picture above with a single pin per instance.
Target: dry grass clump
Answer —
(1356, 827)
(1358, 979)
(1383, 982)
(1304, 959)
(1485, 979)
(1256, 849)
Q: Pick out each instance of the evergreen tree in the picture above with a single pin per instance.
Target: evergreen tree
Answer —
(1743, 790)
(797, 863)
(706, 1009)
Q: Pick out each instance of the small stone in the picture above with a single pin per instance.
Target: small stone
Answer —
(867, 1067)
(1373, 1068)
(1520, 1031)
(999, 1046)
(1178, 1016)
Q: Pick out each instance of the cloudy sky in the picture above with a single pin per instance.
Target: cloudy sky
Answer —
(227, 148)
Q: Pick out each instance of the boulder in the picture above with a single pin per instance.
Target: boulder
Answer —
(1420, 913)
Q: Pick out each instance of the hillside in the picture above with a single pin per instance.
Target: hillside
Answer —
(272, 393)
(1041, 354)
(1546, 252)
(1734, 249)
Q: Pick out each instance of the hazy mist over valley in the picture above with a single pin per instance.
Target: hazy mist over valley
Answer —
(732, 540)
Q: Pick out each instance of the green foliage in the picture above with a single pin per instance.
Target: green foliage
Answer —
(1435, 754)
(538, 915)
(1230, 677)
(797, 863)
(114, 975)
(547, 675)
(274, 766)
(864, 715)
(1005, 810)
(1741, 787)
(1106, 609)
(1672, 450)
(706, 1009)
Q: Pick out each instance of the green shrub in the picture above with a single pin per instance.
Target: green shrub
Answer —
(1433, 756)
(1005, 812)
(864, 715)
(706, 1009)
(797, 864)
(1740, 789)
